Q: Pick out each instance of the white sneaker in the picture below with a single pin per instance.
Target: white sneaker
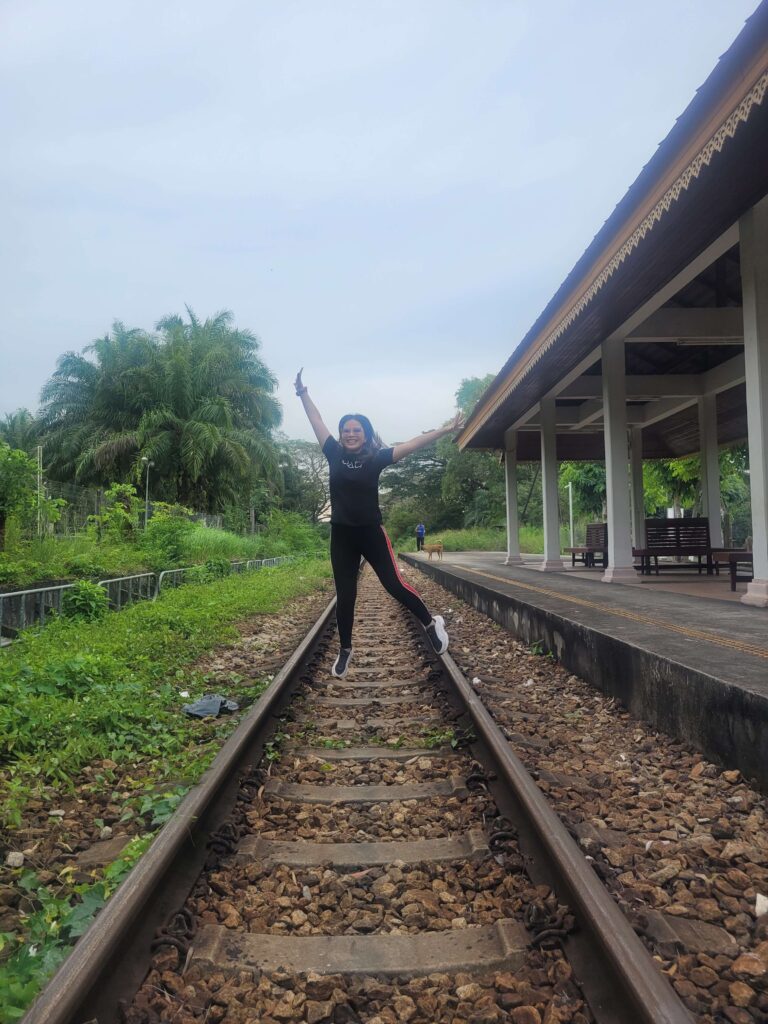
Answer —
(438, 634)
(341, 664)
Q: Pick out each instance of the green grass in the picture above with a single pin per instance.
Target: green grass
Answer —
(485, 538)
(83, 556)
(78, 692)
(93, 695)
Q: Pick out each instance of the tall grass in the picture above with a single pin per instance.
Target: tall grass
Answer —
(486, 538)
(84, 556)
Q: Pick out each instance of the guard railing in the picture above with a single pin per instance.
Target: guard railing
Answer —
(20, 609)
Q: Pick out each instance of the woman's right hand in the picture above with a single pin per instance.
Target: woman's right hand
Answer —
(298, 383)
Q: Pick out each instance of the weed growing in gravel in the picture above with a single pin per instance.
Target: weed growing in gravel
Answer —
(307, 732)
(384, 741)
(438, 738)
(81, 692)
(537, 648)
(58, 918)
(331, 744)
(272, 748)
(98, 706)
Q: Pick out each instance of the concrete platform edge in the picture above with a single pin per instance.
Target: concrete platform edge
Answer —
(728, 724)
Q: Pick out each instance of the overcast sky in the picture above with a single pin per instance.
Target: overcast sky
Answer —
(386, 191)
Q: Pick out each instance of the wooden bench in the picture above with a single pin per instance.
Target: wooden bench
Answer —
(676, 538)
(733, 559)
(596, 546)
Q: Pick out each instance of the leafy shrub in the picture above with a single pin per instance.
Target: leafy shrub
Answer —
(288, 533)
(84, 566)
(84, 600)
(164, 541)
(218, 568)
(119, 519)
(18, 572)
(197, 574)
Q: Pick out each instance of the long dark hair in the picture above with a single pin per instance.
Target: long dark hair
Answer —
(373, 442)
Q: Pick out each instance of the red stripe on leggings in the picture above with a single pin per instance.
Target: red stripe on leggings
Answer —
(394, 565)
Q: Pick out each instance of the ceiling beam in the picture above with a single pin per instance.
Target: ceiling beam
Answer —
(640, 386)
(646, 386)
(710, 326)
(713, 252)
(654, 412)
(725, 376)
(587, 413)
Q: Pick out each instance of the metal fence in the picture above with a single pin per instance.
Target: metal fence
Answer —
(23, 608)
(20, 609)
(124, 590)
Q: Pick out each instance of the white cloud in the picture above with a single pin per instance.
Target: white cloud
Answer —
(388, 192)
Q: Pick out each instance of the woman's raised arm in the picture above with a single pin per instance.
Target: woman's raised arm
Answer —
(408, 447)
(322, 433)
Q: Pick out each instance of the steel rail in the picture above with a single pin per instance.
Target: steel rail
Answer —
(644, 994)
(619, 977)
(82, 989)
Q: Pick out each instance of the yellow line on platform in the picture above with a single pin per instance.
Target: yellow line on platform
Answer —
(693, 634)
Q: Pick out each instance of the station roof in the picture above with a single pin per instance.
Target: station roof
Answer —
(710, 169)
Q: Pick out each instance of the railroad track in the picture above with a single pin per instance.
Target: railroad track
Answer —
(367, 849)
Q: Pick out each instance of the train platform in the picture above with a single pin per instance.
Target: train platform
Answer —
(693, 666)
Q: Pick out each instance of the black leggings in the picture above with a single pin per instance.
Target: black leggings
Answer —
(348, 545)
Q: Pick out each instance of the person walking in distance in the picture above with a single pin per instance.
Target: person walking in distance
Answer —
(356, 461)
(420, 531)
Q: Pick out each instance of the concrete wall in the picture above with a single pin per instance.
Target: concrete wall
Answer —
(728, 724)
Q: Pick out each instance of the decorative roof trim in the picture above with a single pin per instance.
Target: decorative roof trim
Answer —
(703, 158)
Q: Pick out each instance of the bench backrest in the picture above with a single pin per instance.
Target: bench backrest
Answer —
(674, 534)
(597, 536)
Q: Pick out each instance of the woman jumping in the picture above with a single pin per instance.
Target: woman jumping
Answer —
(356, 461)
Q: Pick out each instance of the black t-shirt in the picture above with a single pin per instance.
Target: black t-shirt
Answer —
(355, 484)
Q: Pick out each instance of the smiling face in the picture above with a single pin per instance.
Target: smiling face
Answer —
(352, 436)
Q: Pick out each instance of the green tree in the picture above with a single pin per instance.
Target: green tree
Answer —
(588, 479)
(473, 487)
(211, 410)
(672, 483)
(18, 482)
(305, 478)
(443, 486)
(92, 405)
(20, 430)
(194, 398)
(471, 390)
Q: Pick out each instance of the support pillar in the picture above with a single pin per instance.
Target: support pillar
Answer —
(638, 495)
(510, 475)
(552, 560)
(620, 562)
(753, 236)
(710, 468)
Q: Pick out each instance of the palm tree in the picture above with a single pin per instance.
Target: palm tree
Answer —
(20, 430)
(208, 424)
(91, 407)
(195, 398)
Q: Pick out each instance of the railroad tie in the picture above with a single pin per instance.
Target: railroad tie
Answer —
(306, 793)
(362, 855)
(503, 944)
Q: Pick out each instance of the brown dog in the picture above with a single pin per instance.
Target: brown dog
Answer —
(433, 549)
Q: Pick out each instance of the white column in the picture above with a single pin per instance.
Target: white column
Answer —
(710, 468)
(620, 563)
(552, 560)
(510, 474)
(638, 496)
(753, 235)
